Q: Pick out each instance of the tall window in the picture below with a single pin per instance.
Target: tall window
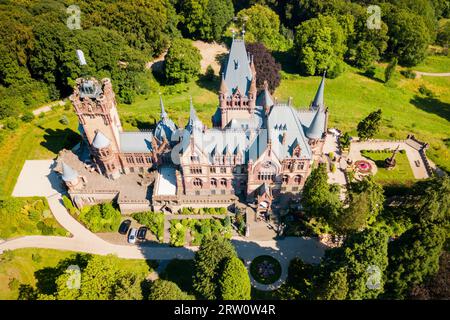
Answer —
(297, 179)
(197, 183)
(223, 182)
(285, 179)
(213, 182)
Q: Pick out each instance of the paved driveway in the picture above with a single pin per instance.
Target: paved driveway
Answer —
(37, 178)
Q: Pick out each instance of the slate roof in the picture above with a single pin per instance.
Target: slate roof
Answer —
(317, 126)
(140, 141)
(318, 101)
(68, 174)
(100, 141)
(264, 98)
(237, 69)
(284, 121)
(165, 126)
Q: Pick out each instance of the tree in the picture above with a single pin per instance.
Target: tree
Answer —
(128, 287)
(206, 19)
(167, 290)
(413, 258)
(390, 69)
(320, 44)
(262, 25)
(318, 198)
(234, 283)
(408, 36)
(209, 264)
(182, 62)
(370, 125)
(335, 287)
(301, 278)
(443, 36)
(267, 69)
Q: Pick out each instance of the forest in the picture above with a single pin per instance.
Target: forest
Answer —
(38, 42)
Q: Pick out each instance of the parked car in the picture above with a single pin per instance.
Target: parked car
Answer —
(142, 232)
(132, 235)
(124, 226)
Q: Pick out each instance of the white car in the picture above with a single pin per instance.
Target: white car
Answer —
(132, 235)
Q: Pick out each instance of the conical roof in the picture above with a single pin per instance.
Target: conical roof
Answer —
(317, 126)
(100, 141)
(68, 174)
(163, 112)
(318, 101)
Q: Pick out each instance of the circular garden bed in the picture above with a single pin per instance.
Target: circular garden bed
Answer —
(265, 269)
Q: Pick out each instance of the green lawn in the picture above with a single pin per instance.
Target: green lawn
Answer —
(401, 174)
(436, 64)
(20, 265)
(41, 139)
(27, 216)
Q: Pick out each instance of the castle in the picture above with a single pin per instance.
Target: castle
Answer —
(257, 149)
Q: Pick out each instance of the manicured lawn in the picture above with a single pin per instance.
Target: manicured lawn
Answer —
(436, 64)
(20, 265)
(41, 139)
(401, 174)
(27, 216)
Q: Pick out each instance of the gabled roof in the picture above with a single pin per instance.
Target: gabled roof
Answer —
(165, 126)
(264, 98)
(237, 70)
(68, 174)
(100, 141)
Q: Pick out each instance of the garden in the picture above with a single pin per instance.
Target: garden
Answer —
(154, 221)
(265, 269)
(400, 174)
(104, 217)
(27, 216)
(196, 229)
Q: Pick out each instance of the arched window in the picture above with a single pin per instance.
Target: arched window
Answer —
(285, 179)
(297, 179)
(197, 183)
(213, 182)
(223, 182)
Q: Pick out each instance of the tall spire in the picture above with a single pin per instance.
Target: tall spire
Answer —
(194, 121)
(318, 99)
(161, 104)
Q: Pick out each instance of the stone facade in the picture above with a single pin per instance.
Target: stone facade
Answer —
(255, 143)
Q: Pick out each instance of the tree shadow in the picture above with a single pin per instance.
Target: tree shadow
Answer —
(287, 61)
(180, 272)
(361, 73)
(209, 83)
(56, 140)
(432, 105)
(46, 277)
(145, 125)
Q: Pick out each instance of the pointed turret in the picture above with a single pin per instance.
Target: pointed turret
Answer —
(265, 99)
(194, 121)
(317, 126)
(161, 104)
(100, 141)
(69, 174)
(318, 101)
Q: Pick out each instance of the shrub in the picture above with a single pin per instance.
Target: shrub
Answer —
(36, 257)
(13, 284)
(167, 290)
(27, 117)
(408, 74)
(64, 120)
(370, 72)
(209, 75)
(234, 283)
(12, 124)
(154, 221)
(425, 91)
(390, 69)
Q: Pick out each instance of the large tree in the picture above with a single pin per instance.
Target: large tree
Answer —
(414, 257)
(267, 69)
(320, 44)
(261, 25)
(370, 125)
(234, 282)
(206, 19)
(209, 262)
(409, 37)
(319, 199)
(167, 290)
(182, 62)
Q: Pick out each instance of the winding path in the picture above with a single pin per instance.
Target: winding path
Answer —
(44, 182)
(431, 74)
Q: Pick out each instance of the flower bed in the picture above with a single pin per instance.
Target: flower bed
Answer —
(265, 269)
(363, 166)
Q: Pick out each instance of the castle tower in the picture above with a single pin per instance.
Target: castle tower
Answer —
(103, 153)
(70, 176)
(95, 105)
(237, 93)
